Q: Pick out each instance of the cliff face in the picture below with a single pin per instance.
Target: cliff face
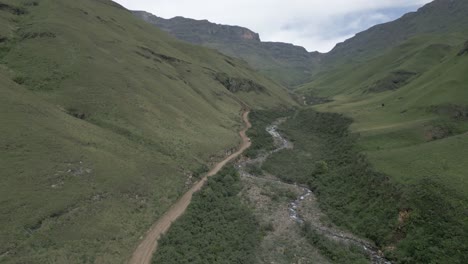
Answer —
(199, 31)
(286, 63)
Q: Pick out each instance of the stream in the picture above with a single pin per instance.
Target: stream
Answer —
(281, 143)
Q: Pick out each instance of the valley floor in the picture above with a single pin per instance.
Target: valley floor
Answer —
(303, 193)
(149, 244)
(285, 208)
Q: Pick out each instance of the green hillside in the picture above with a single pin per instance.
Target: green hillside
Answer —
(437, 17)
(286, 63)
(408, 100)
(103, 119)
(411, 96)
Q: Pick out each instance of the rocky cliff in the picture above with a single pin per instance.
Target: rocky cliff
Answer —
(286, 63)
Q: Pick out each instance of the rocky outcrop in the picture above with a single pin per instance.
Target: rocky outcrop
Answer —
(16, 10)
(464, 50)
(393, 81)
(234, 84)
(199, 31)
(457, 112)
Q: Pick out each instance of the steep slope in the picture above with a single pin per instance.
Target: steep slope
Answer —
(412, 87)
(404, 85)
(104, 120)
(288, 64)
(438, 17)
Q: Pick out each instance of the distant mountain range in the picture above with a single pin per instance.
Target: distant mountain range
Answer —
(286, 63)
(293, 65)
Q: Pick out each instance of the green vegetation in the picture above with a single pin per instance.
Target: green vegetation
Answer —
(407, 98)
(339, 253)
(285, 63)
(413, 217)
(350, 192)
(102, 116)
(261, 140)
(404, 86)
(435, 18)
(216, 228)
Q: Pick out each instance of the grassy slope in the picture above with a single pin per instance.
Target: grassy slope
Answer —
(288, 64)
(82, 190)
(398, 126)
(396, 133)
(421, 222)
(290, 69)
(437, 17)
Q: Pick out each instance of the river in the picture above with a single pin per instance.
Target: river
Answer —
(333, 233)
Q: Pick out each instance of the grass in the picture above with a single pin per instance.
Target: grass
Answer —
(419, 149)
(444, 160)
(102, 117)
(357, 196)
(435, 18)
(397, 127)
(285, 63)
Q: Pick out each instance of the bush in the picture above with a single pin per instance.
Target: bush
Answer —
(19, 80)
(367, 202)
(216, 228)
(261, 140)
(337, 252)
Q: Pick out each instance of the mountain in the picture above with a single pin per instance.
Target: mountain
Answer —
(286, 63)
(103, 119)
(404, 84)
(435, 18)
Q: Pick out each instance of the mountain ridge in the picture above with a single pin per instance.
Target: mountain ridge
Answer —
(284, 62)
(302, 64)
(445, 15)
(230, 31)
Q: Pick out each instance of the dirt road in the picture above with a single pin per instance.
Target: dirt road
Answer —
(144, 252)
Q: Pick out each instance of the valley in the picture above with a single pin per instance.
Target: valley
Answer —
(104, 126)
(285, 63)
(148, 246)
(304, 210)
(130, 138)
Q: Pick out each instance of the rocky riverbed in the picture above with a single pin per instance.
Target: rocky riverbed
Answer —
(305, 206)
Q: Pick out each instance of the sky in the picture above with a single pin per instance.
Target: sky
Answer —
(317, 25)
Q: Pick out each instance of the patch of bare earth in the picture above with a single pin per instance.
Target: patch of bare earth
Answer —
(282, 243)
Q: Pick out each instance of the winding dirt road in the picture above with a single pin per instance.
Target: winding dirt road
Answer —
(144, 252)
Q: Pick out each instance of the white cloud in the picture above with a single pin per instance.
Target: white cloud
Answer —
(314, 24)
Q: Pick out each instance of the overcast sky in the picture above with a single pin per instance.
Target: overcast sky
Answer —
(314, 24)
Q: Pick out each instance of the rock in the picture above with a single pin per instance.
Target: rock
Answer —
(234, 84)
(464, 50)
